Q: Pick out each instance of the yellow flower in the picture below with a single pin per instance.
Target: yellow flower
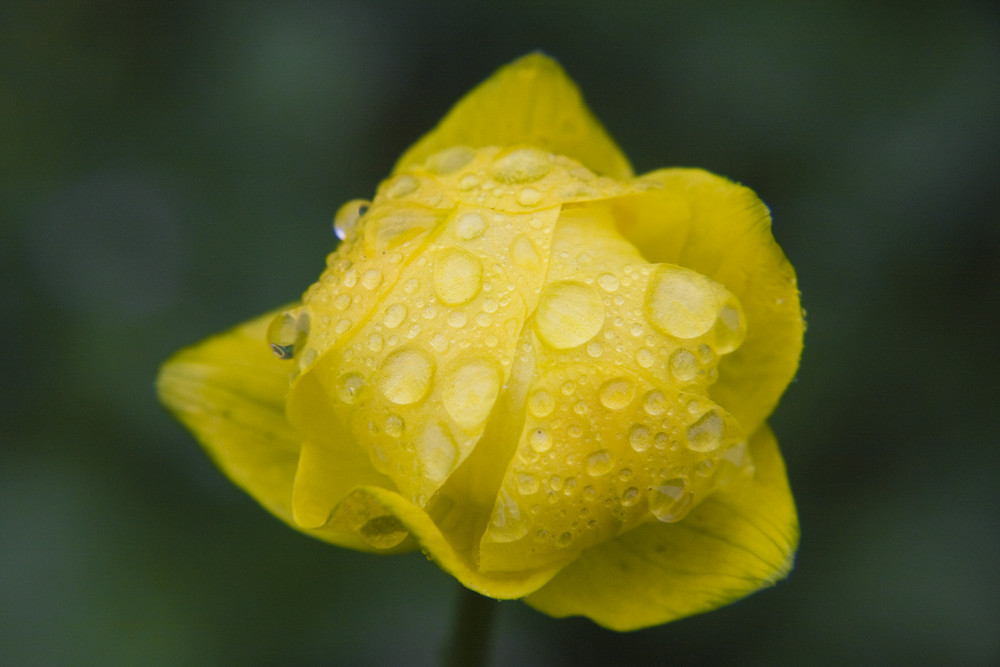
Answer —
(550, 376)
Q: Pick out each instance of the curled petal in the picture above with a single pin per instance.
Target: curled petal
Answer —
(734, 543)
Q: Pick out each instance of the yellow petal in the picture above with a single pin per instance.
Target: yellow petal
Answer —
(530, 101)
(736, 542)
(706, 223)
(230, 392)
(439, 544)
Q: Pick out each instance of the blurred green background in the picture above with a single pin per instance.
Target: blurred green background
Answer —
(169, 169)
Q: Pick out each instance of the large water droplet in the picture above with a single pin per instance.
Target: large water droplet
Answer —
(527, 483)
(706, 434)
(568, 314)
(394, 315)
(683, 365)
(436, 450)
(349, 387)
(470, 391)
(401, 186)
(528, 196)
(450, 159)
(670, 501)
(616, 394)
(509, 521)
(730, 330)
(524, 255)
(345, 223)
(541, 403)
(682, 303)
(458, 276)
(371, 279)
(405, 375)
(470, 226)
(540, 440)
(608, 282)
(599, 463)
(521, 165)
(394, 426)
(655, 403)
(287, 333)
(640, 437)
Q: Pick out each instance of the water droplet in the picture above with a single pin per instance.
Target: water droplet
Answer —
(706, 433)
(528, 196)
(565, 539)
(670, 501)
(521, 165)
(440, 343)
(616, 394)
(457, 318)
(349, 386)
(645, 357)
(450, 159)
(683, 365)
(394, 315)
(458, 276)
(568, 314)
(589, 493)
(346, 221)
(470, 391)
(655, 403)
(341, 326)
(371, 279)
(730, 330)
(342, 301)
(524, 255)
(608, 282)
(287, 332)
(630, 496)
(639, 437)
(401, 186)
(526, 484)
(436, 450)
(540, 440)
(595, 349)
(599, 463)
(469, 182)
(470, 226)
(394, 425)
(509, 522)
(405, 375)
(541, 403)
(682, 303)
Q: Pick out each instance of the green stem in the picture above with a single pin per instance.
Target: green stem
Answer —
(470, 639)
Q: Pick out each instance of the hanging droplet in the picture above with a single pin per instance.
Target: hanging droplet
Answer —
(287, 332)
(346, 221)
